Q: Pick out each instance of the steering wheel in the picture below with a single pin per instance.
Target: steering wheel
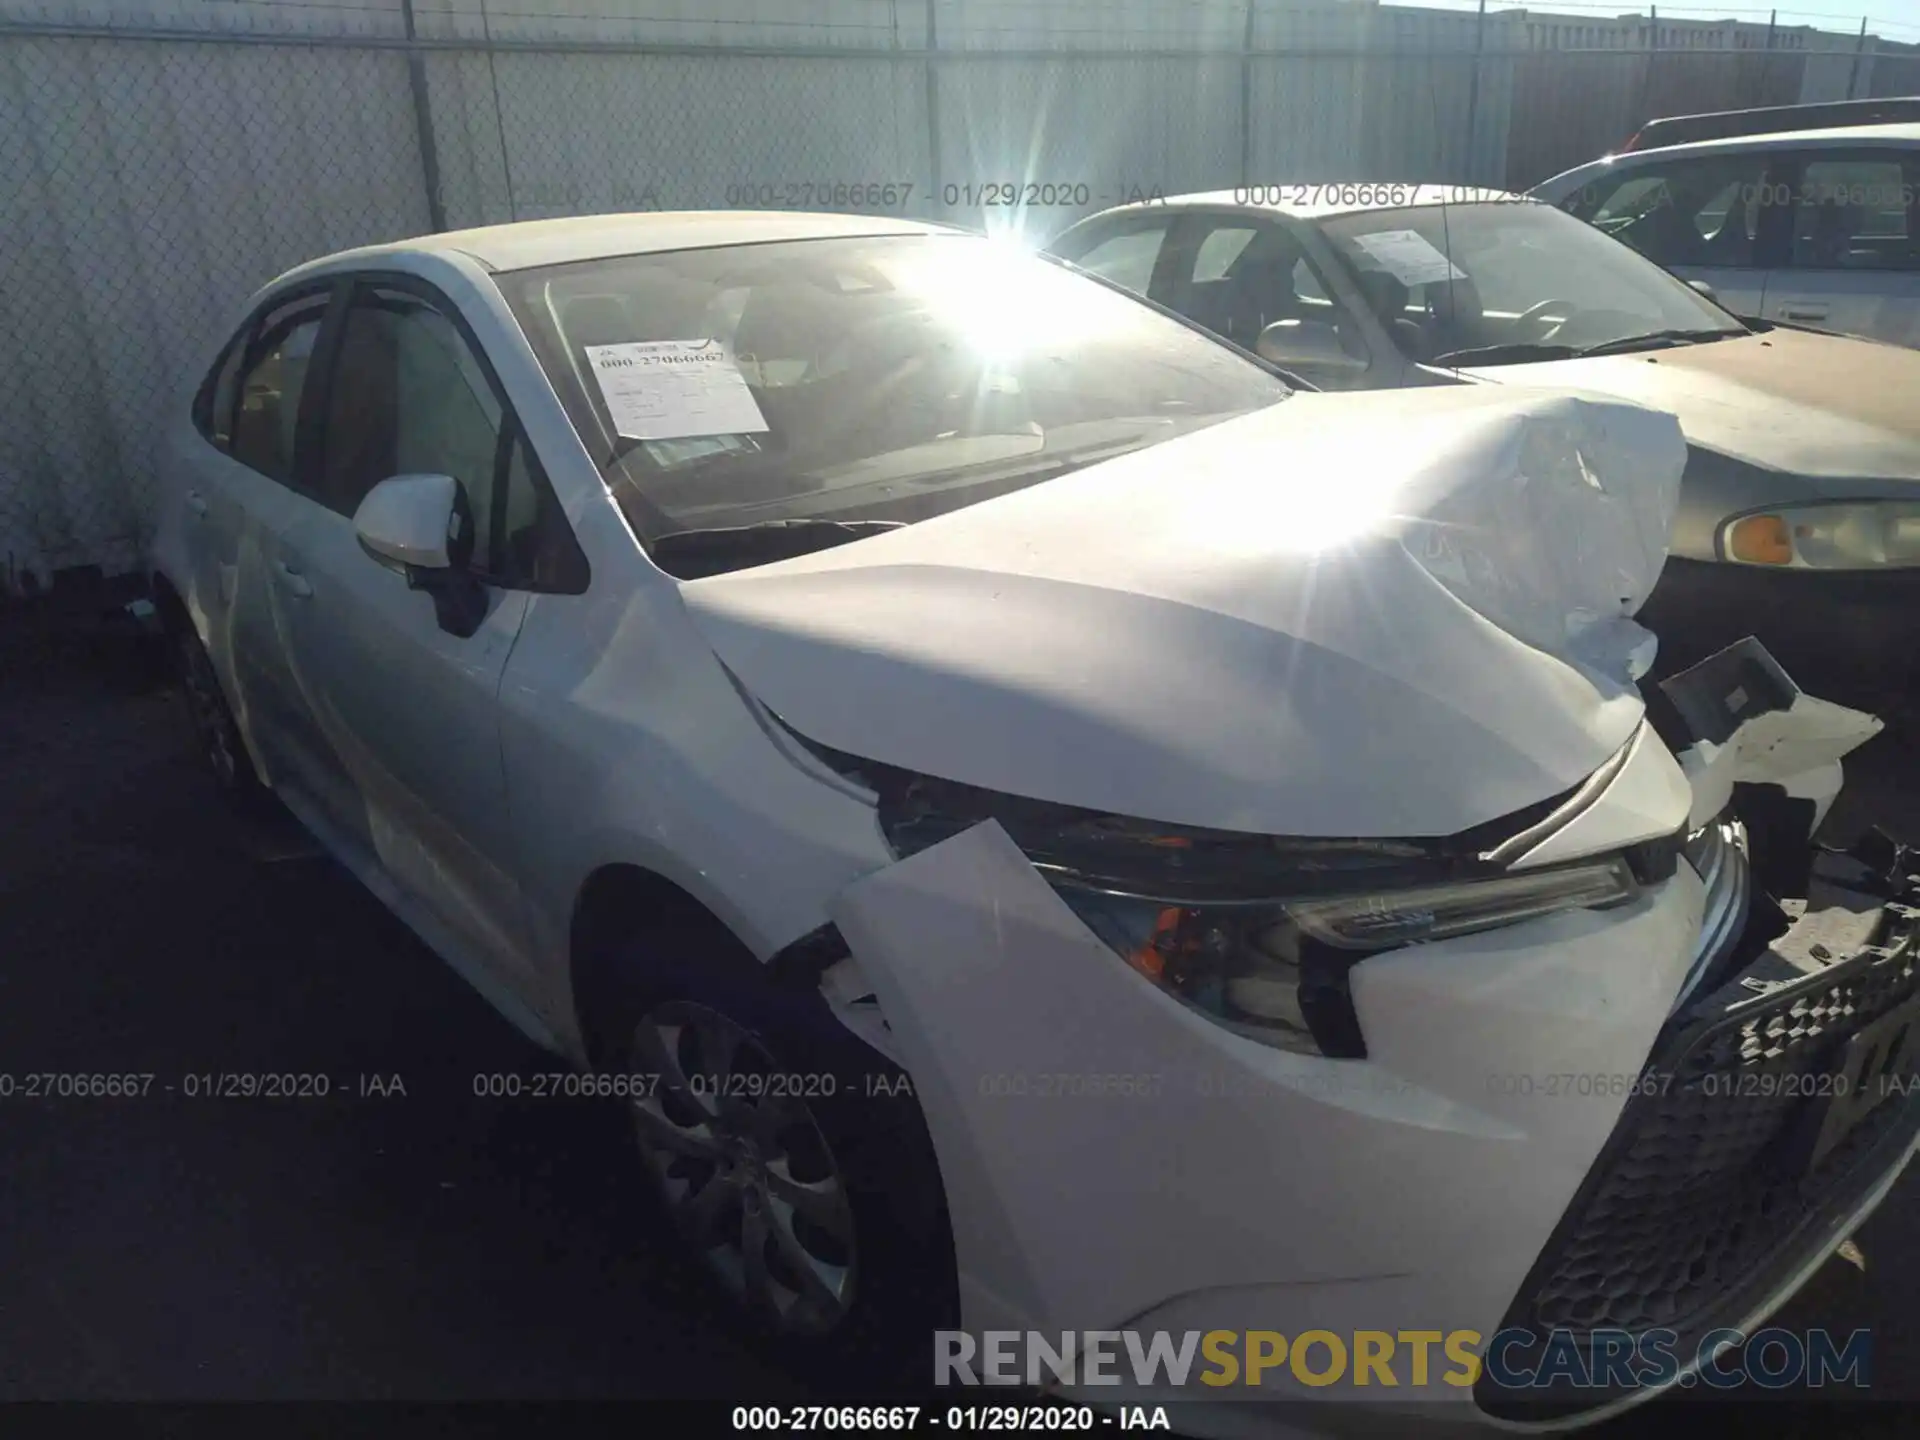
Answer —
(1598, 326)
(1534, 314)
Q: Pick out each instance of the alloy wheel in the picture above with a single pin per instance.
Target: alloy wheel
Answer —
(744, 1167)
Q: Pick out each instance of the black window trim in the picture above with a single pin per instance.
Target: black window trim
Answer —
(575, 571)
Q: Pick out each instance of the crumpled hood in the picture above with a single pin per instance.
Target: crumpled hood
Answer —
(1820, 406)
(1363, 615)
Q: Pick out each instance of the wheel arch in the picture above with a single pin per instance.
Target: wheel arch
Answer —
(879, 1137)
(621, 907)
(167, 600)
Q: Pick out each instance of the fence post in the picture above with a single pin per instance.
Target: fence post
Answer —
(933, 112)
(1473, 85)
(1767, 62)
(423, 124)
(1646, 71)
(1246, 101)
(1859, 48)
(499, 115)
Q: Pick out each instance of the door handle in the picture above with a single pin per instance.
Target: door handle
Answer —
(196, 502)
(291, 580)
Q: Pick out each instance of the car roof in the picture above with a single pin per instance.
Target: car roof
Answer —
(528, 243)
(1775, 119)
(1906, 133)
(1837, 137)
(1323, 198)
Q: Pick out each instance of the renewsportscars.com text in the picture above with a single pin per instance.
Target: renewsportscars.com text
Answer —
(1773, 1358)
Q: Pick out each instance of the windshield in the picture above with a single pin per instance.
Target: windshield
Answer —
(866, 381)
(1514, 274)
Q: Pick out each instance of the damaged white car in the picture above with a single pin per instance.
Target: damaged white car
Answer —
(1045, 828)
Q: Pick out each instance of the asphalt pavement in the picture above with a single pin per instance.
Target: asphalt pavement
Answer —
(399, 1237)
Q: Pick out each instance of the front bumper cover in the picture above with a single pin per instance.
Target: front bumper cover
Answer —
(1081, 1115)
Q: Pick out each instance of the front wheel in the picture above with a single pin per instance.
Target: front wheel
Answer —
(794, 1163)
(745, 1169)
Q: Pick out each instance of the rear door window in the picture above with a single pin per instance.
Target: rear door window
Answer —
(213, 405)
(1854, 212)
(1236, 276)
(1126, 257)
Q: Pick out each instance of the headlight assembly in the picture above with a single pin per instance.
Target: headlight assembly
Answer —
(1276, 971)
(1860, 535)
(1370, 922)
(1259, 932)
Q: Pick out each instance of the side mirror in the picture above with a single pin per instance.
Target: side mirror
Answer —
(1309, 346)
(1705, 289)
(411, 522)
(418, 526)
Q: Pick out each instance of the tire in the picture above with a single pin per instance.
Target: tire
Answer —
(216, 733)
(763, 1117)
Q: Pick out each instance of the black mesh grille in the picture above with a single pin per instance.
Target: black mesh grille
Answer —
(1692, 1204)
(1709, 1193)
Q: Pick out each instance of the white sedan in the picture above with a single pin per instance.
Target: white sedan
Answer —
(1044, 828)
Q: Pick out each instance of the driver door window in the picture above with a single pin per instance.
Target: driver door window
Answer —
(1715, 220)
(410, 397)
(1703, 212)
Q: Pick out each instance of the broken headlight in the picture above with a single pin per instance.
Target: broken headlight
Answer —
(1276, 971)
(1257, 932)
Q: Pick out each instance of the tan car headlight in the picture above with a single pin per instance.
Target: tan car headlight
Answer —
(1858, 535)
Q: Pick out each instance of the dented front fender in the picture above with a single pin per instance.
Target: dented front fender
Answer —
(1107, 1150)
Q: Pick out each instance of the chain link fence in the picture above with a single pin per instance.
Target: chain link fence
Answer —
(160, 161)
(145, 190)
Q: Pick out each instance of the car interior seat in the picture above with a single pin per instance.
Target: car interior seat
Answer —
(1387, 296)
(1731, 242)
(1259, 292)
(1827, 238)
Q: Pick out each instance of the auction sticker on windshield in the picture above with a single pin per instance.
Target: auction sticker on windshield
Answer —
(672, 389)
(1409, 257)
